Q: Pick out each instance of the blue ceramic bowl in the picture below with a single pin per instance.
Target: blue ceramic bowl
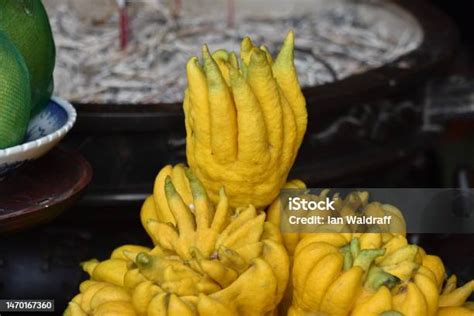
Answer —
(45, 131)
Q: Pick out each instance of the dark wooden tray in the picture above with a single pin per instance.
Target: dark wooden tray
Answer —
(42, 189)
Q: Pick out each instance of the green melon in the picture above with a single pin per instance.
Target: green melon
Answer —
(15, 94)
(26, 23)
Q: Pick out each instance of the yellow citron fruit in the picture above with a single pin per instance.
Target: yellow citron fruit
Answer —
(133, 278)
(392, 277)
(112, 270)
(211, 248)
(367, 274)
(208, 258)
(374, 304)
(245, 121)
(109, 293)
(410, 301)
(435, 264)
(119, 308)
(455, 311)
(329, 271)
(457, 297)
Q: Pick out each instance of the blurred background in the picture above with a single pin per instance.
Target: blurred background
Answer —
(389, 86)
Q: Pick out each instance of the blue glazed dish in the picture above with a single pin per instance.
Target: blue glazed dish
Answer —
(45, 130)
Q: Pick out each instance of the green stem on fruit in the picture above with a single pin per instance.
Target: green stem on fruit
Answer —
(366, 257)
(377, 278)
(143, 260)
(355, 247)
(347, 261)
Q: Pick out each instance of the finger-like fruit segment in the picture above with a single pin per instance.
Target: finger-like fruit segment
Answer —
(244, 131)
(410, 301)
(222, 112)
(109, 293)
(455, 311)
(458, 296)
(435, 264)
(285, 73)
(340, 296)
(112, 271)
(376, 305)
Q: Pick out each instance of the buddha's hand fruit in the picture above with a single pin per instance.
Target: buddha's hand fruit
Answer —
(329, 271)
(245, 121)
(15, 96)
(370, 274)
(209, 259)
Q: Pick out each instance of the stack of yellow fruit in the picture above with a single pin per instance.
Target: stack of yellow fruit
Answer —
(372, 274)
(210, 259)
(217, 252)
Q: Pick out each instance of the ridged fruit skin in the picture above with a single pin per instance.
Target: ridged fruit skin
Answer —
(208, 259)
(15, 96)
(371, 274)
(27, 25)
(245, 121)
